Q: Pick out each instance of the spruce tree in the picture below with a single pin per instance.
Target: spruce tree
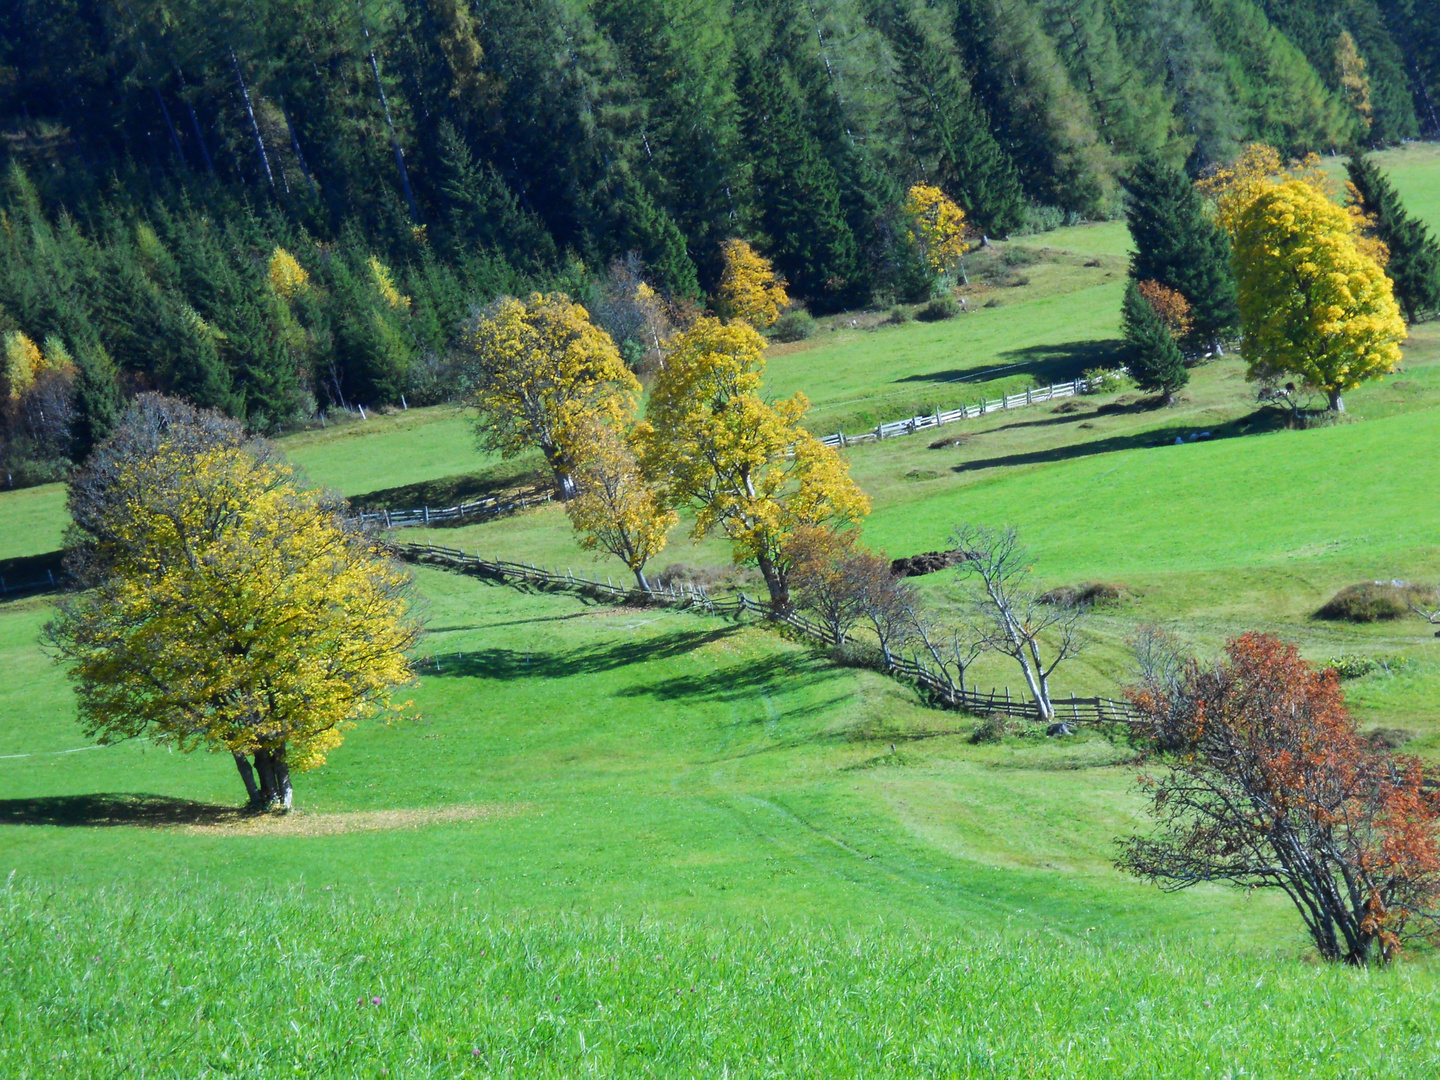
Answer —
(1177, 245)
(98, 401)
(1414, 265)
(1154, 358)
(950, 131)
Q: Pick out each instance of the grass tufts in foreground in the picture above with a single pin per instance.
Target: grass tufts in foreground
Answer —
(197, 984)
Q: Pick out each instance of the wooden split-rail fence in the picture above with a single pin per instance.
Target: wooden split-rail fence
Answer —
(1074, 710)
(940, 417)
(434, 515)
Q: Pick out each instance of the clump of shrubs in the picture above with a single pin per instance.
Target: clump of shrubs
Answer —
(1351, 666)
(1087, 594)
(1390, 738)
(1103, 380)
(1375, 601)
(855, 654)
(898, 316)
(991, 729)
(794, 325)
(938, 310)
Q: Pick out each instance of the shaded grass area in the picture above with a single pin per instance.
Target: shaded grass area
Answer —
(342, 984)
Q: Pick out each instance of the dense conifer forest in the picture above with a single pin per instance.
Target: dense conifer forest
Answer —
(412, 158)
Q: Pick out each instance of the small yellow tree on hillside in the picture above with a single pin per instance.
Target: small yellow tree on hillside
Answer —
(237, 613)
(539, 371)
(745, 464)
(616, 510)
(749, 289)
(937, 227)
(1311, 303)
(288, 278)
(1351, 71)
(19, 366)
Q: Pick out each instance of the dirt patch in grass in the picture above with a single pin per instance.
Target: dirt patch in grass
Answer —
(1375, 601)
(300, 823)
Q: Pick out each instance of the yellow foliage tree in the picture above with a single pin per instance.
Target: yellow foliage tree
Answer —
(238, 613)
(539, 372)
(616, 510)
(1232, 188)
(1351, 70)
(937, 227)
(385, 285)
(749, 289)
(288, 278)
(1311, 303)
(746, 464)
(22, 362)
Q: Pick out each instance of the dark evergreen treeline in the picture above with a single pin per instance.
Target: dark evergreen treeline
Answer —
(158, 151)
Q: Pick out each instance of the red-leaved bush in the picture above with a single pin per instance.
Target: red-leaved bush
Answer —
(1265, 782)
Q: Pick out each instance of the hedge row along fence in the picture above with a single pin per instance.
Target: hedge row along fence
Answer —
(1075, 710)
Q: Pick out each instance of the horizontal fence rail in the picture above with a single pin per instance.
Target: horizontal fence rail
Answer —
(940, 417)
(51, 580)
(1075, 710)
(434, 515)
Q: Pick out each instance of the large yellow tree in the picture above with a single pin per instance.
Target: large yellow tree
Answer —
(236, 612)
(749, 289)
(1311, 303)
(617, 511)
(539, 371)
(1232, 189)
(745, 464)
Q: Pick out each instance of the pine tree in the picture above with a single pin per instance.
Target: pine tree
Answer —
(98, 402)
(949, 131)
(797, 190)
(1414, 265)
(1154, 358)
(1177, 245)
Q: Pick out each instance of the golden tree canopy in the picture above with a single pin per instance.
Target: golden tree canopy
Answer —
(540, 371)
(616, 510)
(1232, 188)
(1311, 303)
(749, 289)
(937, 226)
(238, 614)
(746, 464)
(288, 278)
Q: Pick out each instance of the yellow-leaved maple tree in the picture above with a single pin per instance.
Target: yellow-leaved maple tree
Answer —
(937, 227)
(237, 612)
(617, 511)
(1311, 303)
(745, 464)
(540, 370)
(749, 289)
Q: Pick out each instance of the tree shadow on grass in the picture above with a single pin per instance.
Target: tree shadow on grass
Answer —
(510, 664)
(31, 574)
(1048, 364)
(1256, 423)
(748, 681)
(453, 490)
(115, 808)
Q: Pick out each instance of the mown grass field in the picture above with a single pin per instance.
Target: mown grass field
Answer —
(621, 841)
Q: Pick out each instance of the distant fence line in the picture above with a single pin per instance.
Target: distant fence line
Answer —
(426, 515)
(1071, 709)
(495, 506)
(939, 417)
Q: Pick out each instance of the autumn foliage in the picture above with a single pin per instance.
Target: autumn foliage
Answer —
(232, 610)
(1265, 782)
(749, 289)
(1170, 307)
(937, 226)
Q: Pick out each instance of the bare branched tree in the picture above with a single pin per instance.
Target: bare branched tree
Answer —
(952, 647)
(1428, 608)
(886, 602)
(1011, 618)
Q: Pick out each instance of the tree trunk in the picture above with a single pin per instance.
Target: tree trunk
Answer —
(1337, 403)
(247, 776)
(1169, 399)
(275, 789)
(776, 583)
(640, 580)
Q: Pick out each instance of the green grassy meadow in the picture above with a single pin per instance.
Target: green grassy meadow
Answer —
(641, 842)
